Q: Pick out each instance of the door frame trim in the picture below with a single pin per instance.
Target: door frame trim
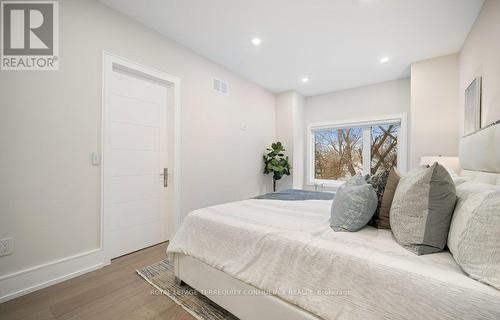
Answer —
(108, 61)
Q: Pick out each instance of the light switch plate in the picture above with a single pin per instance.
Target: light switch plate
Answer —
(6, 246)
(95, 158)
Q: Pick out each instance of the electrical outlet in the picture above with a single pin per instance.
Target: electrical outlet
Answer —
(6, 246)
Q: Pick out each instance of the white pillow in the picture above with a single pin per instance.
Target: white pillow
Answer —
(456, 178)
(474, 236)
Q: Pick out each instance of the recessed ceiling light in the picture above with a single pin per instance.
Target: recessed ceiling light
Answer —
(384, 60)
(256, 41)
(304, 80)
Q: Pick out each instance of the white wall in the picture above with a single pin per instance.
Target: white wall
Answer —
(480, 56)
(290, 131)
(50, 123)
(384, 98)
(434, 108)
(299, 142)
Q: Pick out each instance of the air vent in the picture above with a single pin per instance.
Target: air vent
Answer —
(221, 86)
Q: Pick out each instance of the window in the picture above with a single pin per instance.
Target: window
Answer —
(341, 150)
(338, 153)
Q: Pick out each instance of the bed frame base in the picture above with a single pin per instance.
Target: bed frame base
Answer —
(207, 280)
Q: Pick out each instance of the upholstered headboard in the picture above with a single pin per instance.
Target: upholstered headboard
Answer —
(480, 155)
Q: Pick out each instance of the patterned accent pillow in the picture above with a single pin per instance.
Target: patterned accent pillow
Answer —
(378, 182)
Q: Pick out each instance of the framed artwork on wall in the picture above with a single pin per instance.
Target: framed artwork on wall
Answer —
(472, 116)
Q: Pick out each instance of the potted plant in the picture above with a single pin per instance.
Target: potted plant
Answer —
(276, 163)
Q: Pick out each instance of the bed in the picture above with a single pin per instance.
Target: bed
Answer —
(272, 259)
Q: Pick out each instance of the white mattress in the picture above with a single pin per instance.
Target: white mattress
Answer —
(287, 247)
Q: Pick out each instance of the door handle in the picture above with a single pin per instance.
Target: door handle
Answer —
(165, 177)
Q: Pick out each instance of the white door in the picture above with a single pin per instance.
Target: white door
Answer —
(135, 155)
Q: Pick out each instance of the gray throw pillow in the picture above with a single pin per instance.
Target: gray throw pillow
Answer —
(422, 208)
(354, 205)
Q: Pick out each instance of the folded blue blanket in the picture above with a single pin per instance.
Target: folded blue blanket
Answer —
(295, 194)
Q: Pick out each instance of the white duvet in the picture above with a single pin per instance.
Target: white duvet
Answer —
(287, 247)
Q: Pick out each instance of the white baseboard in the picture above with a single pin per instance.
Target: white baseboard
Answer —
(28, 280)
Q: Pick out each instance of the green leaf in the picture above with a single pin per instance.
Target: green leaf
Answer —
(275, 161)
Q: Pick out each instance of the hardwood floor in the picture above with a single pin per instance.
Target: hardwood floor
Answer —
(113, 292)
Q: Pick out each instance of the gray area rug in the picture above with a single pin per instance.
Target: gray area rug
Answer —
(161, 276)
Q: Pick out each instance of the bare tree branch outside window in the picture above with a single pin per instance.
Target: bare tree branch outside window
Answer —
(384, 147)
(338, 153)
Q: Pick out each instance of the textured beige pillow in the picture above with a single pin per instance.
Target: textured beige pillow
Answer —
(422, 209)
(474, 238)
(385, 205)
(470, 195)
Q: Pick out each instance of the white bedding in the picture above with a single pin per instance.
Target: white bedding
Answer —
(285, 246)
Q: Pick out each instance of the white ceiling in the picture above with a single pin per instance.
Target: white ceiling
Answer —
(337, 44)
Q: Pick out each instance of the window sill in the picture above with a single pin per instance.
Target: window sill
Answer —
(325, 184)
